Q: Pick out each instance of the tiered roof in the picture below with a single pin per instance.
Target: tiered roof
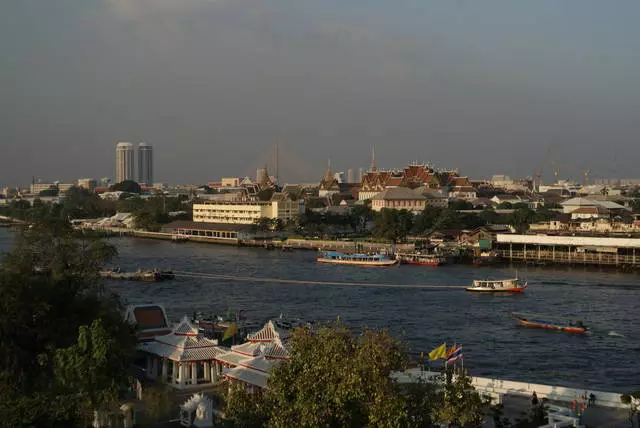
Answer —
(184, 343)
(268, 333)
(252, 361)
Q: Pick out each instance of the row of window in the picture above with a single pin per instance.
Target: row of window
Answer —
(208, 233)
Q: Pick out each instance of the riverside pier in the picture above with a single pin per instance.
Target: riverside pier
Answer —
(570, 250)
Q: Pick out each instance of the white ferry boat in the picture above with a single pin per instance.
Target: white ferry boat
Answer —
(336, 257)
(512, 285)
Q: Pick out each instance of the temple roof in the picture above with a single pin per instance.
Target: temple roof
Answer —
(183, 348)
(249, 376)
(398, 193)
(184, 343)
(268, 333)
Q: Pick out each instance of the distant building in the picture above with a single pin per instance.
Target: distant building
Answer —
(230, 182)
(145, 164)
(88, 183)
(400, 198)
(506, 183)
(245, 212)
(63, 187)
(124, 162)
(350, 176)
(36, 188)
(329, 185)
(413, 176)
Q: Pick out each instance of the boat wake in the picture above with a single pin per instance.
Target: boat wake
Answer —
(615, 334)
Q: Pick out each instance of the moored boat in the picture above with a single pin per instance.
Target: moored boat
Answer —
(421, 259)
(512, 285)
(550, 323)
(140, 275)
(336, 257)
(486, 258)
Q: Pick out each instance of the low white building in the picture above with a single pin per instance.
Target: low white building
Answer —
(399, 198)
(246, 212)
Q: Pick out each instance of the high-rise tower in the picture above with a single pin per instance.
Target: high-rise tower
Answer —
(124, 162)
(145, 164)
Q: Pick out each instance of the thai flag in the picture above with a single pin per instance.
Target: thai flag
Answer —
(455, 355)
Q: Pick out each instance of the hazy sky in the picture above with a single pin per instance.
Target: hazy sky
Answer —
(486, 86)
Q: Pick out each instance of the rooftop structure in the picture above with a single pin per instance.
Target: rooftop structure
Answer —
(574, 203)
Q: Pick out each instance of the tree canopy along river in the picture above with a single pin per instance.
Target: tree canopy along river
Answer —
(423, 306)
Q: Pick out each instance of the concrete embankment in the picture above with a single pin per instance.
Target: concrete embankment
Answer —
(308, 244)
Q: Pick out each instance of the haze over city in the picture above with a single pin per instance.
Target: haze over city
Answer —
(487, 87)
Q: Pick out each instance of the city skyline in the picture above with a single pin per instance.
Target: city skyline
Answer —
(489, 88)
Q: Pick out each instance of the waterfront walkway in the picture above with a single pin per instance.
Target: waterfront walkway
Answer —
(518, 407)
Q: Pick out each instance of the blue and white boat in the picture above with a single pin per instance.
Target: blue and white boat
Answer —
(336, 257)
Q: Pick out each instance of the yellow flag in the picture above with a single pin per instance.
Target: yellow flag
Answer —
(439, 352)
(229, 332)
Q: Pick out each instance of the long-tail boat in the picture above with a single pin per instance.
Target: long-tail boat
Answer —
(565, 324)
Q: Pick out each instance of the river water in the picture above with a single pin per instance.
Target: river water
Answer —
(492, 343)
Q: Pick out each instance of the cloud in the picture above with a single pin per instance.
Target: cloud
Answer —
(136, 10)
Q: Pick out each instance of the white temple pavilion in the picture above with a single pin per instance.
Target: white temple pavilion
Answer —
(250, 363)
(184, 357)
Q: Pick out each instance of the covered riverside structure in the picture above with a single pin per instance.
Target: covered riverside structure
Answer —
(573, 250)
(195, 231)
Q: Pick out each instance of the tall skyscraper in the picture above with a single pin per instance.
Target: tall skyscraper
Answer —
(124, 162)
(145, 164)
(350, 176)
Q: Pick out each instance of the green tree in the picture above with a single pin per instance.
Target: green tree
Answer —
(521, 218)
(128, 186)
(51, 191)
(95, 367)
(158, 402)
(462, 405)
(459, 204)
(50, 287)
(78, 202)
(336, 379)
(392, 225)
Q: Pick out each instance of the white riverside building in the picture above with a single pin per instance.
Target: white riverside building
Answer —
(125, 166)
(232, 212)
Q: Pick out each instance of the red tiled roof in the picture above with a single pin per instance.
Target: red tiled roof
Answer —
(149, 317)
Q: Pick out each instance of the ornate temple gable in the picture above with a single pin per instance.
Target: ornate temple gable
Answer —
(375, 181)
(329, 182)
(268, 333)
(420, 175)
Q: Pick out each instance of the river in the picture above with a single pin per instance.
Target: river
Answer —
(492, 343)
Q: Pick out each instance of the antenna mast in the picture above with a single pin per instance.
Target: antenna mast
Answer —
(276, 161)
(373, 159)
